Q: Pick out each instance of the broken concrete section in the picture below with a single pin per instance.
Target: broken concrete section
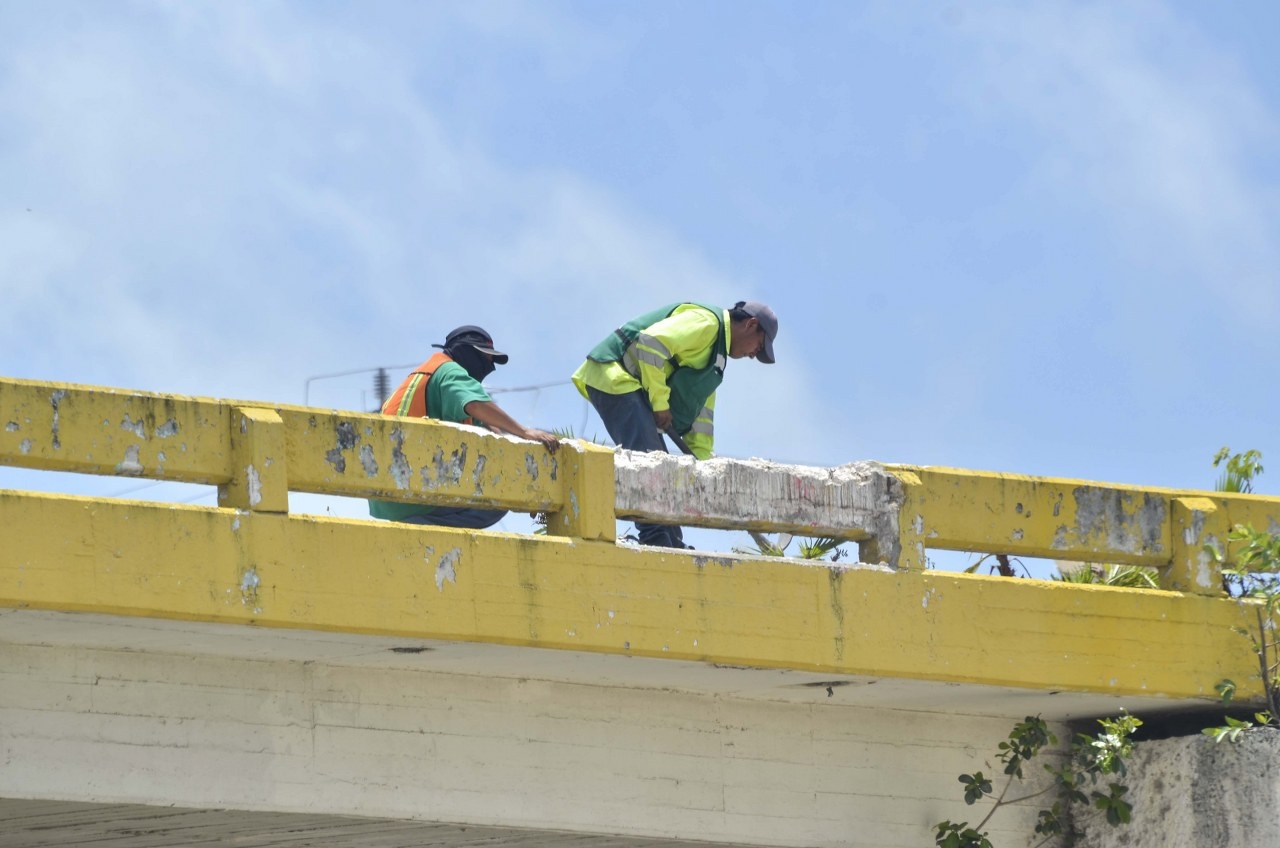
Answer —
(858, 501)
(1193, 791)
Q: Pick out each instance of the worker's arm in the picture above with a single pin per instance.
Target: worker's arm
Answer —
(496, 418)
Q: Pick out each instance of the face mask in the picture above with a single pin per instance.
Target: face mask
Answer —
(472, 361)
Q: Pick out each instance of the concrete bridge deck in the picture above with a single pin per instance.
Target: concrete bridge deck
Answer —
(243, 657)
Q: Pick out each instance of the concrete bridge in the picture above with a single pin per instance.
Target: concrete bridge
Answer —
(561, 687)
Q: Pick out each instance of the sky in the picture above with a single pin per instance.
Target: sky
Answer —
(1031, 238)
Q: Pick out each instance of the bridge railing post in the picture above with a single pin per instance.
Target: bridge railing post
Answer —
(259, 475)
(586, 471)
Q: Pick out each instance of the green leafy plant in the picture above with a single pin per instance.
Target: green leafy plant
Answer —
(815, 548)
(1095, 758)
(1128, 576)
(1251, 571)
(1238, 471)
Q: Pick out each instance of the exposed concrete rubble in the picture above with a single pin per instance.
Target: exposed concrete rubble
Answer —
(858, 501)
(1191, 791)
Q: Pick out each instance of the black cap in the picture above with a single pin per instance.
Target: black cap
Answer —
(477, 337)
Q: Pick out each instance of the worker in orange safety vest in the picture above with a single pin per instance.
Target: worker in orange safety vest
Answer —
(447, 388)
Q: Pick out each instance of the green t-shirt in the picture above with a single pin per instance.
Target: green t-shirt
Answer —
(449, 391)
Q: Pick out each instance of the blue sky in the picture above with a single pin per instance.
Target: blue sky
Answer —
(1035, 238)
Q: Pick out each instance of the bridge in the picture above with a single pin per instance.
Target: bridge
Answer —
(561, 686)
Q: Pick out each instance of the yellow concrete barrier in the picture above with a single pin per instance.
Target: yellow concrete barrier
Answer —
(256, 453)
(1167, 529)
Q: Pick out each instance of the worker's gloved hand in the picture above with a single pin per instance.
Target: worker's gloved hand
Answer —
(663, 420)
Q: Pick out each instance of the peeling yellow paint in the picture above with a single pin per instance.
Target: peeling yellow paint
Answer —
(180, 561)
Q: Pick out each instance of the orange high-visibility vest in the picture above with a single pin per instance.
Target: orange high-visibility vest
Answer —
(410, 399)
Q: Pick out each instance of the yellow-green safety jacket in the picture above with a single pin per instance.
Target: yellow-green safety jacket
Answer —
(677, 354)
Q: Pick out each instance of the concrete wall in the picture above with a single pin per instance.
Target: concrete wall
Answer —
(1191, 792)
(99, 724)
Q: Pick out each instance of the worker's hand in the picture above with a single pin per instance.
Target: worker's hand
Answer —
(663, 420)
(549, 440)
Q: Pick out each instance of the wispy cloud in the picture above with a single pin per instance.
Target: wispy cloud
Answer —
(1159, 126)
(229, 199)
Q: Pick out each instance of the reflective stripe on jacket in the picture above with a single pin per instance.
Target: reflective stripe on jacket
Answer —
(409, 400)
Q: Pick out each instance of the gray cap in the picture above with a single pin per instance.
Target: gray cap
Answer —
(768, 322)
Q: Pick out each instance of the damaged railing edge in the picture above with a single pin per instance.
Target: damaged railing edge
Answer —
(858, 502)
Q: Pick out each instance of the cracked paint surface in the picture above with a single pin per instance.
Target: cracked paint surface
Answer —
(447, 568)
(167, 429)
(1193, 535)
(347, 438)
(476, 475)
(255, 485)
(446, 470)
(137, 428)
(249, 583)
(54, 400)
(1109, 514)
(367, 462)
(400, 469)
(130, 466)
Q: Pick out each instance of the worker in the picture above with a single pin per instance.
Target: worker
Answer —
(447, 387)
(658, 374)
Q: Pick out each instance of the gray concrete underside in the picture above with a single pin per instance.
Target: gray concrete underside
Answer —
(36, 824)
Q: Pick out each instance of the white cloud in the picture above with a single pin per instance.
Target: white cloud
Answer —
(235, 198)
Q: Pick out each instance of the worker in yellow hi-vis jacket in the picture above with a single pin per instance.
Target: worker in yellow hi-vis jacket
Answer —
(658, 373)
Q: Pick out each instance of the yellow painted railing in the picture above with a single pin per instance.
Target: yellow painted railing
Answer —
(257, 453)
(249, 561)
(1075, 520)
